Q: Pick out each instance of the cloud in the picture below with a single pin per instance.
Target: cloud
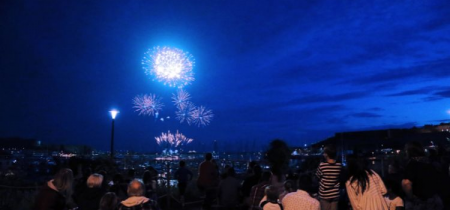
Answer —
(419, 91)
(365, 115)
(328, 98)
(376, 109)
(435, 69)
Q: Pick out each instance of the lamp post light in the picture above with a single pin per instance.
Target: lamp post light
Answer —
(113, 116)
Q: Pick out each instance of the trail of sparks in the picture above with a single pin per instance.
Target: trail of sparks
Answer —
(185, 114)
(172, 141)
(181, 98)
(147, 104)
(201, 116)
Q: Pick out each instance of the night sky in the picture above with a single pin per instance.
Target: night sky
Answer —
(295, 70)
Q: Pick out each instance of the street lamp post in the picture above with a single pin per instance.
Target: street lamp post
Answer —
(113, 116)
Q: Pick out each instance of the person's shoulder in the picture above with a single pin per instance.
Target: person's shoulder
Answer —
(398, 201)
(290, 195)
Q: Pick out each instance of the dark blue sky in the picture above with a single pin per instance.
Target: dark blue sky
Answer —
(296, 70)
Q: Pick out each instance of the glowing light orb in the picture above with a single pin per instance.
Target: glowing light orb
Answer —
(169, 65)
(147, 105)
(201, 116)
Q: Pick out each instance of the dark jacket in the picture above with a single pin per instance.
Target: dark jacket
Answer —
(49, 199)
(89, 198)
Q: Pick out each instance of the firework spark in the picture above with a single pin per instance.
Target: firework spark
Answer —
(169, 65)
(147, 104)
(181, 98)
(202, 116)
(172, 141)
(185, 114)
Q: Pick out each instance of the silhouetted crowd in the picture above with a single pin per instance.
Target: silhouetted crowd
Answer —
(422, 184)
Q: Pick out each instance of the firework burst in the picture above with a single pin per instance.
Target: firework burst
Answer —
(201, 116)
(181, 98)
(169, 65)
(185, 114)
(147, 105)
(172, 141)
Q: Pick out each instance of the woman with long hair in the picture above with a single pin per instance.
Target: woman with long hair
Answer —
(365, 188)
(56, 194)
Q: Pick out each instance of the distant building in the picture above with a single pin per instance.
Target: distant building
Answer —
(19, 143)
(378, 141)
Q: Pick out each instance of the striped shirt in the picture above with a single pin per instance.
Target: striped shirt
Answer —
(328, 174)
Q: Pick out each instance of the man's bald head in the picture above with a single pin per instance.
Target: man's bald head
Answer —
(136, 188)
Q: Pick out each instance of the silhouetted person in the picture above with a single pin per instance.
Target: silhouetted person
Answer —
(270, 200)
(251, 181)
(183, 176)
(257, 191)
(289, 186)
(395, 176)
(89, 198)
(393, 200)
(207, 180)
(119, 187)
(150, 191)
(301, 199)
(421, 181)
(108, 201)
(329, 173)
(250, 170)
(365, 188)
(136, 199)
(228, 191)
(56, 194)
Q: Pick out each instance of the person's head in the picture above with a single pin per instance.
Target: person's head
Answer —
(414, 149)
(117, 178)
(182, 164)
(392, 187)
(136, 188)
(147, 177)
(63, 181)
(289, 186)
(131, 173)
(257, 170)
(230, 172)
(208, 156)
(393, 168)
(304, 183)
(108, 201)
(265, 177)
(329, 152)
(358, 170)
(94, 180)
(252, 164)
(271, 193)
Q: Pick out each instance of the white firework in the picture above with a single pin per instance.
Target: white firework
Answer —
(185, 114)
(172, 141)
(181, 98)
(201, 116)
(147, 104)
(169, 65)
